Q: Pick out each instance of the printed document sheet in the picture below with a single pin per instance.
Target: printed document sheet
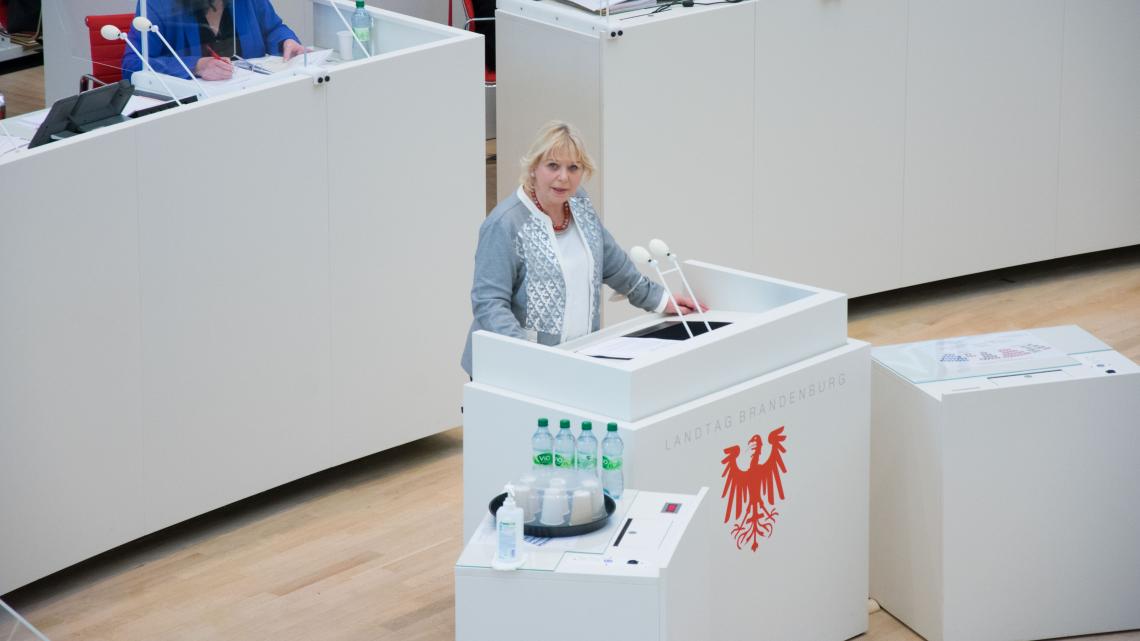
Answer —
(625, 348)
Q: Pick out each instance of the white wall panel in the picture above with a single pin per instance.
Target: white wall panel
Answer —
(983, 107)
(69, 355)
(677, 137)
(406, 208)
(1100, 127)
(544, 74)
(235, 298)
(830, 108)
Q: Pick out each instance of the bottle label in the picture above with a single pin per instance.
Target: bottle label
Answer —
(364, 34)
(587, 461)
(507, 549)
(543, 459)
(611, 463)
(564, 462)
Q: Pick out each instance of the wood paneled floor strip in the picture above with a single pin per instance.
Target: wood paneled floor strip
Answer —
(23, 86)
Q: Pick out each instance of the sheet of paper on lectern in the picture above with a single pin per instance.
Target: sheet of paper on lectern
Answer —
(625, 348)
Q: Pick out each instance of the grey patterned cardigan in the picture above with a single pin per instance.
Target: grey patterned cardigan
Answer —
(518, 288)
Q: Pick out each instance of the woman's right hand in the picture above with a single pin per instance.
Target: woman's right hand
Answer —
(210, 68)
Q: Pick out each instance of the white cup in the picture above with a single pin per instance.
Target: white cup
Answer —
(597, 499)
(554, 507)
(581, 507)
(344, 41)
(523, 499)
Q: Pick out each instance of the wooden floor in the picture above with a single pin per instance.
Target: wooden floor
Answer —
(365, 551)
(22, 83)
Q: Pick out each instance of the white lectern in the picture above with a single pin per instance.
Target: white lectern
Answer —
(643, 577)
(1004, 486)
(778, 374)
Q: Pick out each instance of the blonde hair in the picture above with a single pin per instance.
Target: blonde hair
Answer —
(555, 138)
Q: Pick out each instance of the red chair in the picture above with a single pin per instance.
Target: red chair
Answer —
(106, 55)
(488, 31)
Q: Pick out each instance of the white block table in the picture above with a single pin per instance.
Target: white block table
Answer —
(644, 577)
(1005, 489)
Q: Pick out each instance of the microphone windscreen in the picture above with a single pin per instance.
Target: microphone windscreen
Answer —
(141, 23)
(110, 32)
(659, 248)
(640, 254)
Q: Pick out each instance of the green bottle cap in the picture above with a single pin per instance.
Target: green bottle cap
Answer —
(542, 422)
(611, 427)
(587, 426)
(359, 4)
(564, 424)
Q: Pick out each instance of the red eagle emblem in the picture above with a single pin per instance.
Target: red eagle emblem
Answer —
(752, 492)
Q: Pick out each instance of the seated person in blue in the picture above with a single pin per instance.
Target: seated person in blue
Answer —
(202, 32)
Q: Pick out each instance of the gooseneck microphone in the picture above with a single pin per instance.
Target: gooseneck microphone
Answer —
(661, 250)
(144, 25)
(111, 32)
(640, 254)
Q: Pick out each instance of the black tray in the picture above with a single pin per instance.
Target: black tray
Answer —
(555, 531)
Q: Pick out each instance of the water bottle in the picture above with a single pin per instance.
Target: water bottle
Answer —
(362, 25)
(564, 447)
(542, 447)
(612, 481)
(586, 455)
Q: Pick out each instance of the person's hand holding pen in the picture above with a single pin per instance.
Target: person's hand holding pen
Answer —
(215, 67)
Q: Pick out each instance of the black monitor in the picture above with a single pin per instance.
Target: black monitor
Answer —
(85, 112)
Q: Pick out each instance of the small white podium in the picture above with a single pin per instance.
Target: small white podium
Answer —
(1005, 487)
(793, 568)
(643, 577)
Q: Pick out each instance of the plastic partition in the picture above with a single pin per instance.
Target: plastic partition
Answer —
(105, 62)
(14, 627)
(390, 32)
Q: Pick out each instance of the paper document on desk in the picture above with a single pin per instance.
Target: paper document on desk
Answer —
(8, 144)
(239, 80)
(137, 103)
(967, 356)
(625, 348)
(35, 119)
(277, 64)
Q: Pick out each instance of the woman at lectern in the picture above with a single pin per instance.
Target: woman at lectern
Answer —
(543, 253)
(208, 33)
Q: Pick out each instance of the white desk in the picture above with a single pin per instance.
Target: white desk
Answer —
(186, 324)
(1003, 503)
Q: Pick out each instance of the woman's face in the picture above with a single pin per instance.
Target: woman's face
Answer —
(556, 179)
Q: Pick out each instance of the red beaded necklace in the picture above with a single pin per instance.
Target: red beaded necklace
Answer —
(566, 216)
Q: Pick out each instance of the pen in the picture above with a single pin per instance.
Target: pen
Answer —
(215, 54)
